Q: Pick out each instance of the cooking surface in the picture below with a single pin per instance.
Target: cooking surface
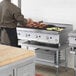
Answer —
(10, 54)
(48, 28)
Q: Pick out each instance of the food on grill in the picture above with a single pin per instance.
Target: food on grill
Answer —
(42, 25)
(34, 24)
(60, 29)
(29, 21)
(55, 29)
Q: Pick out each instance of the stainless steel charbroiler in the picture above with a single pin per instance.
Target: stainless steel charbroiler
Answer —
(46, 35)
(47, 42)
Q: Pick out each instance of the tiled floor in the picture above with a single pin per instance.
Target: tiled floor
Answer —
(51, 71)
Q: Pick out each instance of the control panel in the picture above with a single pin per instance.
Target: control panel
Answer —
(35, 36)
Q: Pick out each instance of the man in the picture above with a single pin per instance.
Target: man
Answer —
(10, 15)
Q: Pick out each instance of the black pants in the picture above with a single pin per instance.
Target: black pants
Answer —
(12, 35)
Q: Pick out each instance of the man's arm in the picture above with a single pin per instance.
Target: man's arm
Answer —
(19, 17)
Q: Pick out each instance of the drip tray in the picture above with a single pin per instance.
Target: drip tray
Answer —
(42, 44)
